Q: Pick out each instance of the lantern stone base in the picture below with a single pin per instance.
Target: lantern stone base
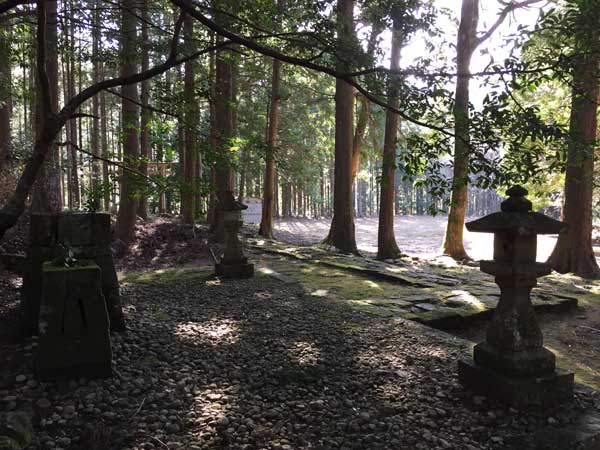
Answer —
(531, 391)
(523, 363)
(240, 270)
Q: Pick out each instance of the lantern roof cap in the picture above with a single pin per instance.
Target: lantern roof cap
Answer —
(227, 202)
(516, 215)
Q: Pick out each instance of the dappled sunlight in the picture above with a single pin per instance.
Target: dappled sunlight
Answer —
(466, 298)
(320, 293)
(304, 352)
(265, 270)
(214, 332)
(396, 269)
(420, 236)
(372, 285)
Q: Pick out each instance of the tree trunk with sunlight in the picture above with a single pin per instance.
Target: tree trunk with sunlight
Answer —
(387, 248)
(128, 204)
(341, 233)
(47, 197)
(574, 251)
(465, 46)
(268, 203)
(188, 197)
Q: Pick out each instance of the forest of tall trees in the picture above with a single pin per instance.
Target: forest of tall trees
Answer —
(336, 109)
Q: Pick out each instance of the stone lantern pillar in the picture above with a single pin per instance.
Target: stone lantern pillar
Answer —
(233, 263)
(512, 364)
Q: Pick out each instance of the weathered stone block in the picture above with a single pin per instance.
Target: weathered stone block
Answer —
(73, 324)
(88, 236)
(534, 391)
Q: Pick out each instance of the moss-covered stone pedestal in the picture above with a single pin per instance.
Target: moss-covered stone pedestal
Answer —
(512, 365)
(88, 236)
(74, 339)
(233, 264)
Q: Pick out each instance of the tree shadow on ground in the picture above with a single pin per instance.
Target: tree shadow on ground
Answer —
(263, 365)
(257, 364)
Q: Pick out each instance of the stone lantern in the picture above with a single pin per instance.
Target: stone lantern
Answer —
(512, 364)
(233, 263)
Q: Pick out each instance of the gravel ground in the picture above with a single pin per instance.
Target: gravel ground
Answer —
(255, 364)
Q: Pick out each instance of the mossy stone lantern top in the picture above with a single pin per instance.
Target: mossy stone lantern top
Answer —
(515, 230)
(512, 363)
(232, 209)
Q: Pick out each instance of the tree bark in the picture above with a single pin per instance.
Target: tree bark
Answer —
(341, 233)
(95, 135)
(387, 248)
(105, 154)
(365, 112)
(142, 210)
(73, 184)
(126, 216)
(573, 251)
(223, 127)
(188, 196)
(5, 100)
(268, 204)
(465, 46)
(46, 196)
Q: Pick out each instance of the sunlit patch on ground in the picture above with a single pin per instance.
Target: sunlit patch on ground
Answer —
(215, 332)
(304, 352)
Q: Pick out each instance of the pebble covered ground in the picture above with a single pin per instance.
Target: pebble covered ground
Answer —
(255, 364)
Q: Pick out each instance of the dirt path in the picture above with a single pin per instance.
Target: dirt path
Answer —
(420, 236)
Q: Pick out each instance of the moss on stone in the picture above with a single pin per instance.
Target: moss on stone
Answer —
(168, 275)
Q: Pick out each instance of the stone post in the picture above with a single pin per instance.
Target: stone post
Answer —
(74, 338)
(512, 364)
(88, 236)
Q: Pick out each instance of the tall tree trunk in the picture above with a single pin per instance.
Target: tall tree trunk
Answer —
(359, 133)
(188, 197)
(73, 184)
(268, 204)
(341, 234)
(126, 216)
(47, 196)
(223, 127)
(5, 99)
(386, 241)
(573, 251)
(104, 136)
(466, 44)
(145, 113)
(365, 112)
(95, 135)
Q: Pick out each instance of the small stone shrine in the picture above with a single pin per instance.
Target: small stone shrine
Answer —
(512, 364)
(233, 264)
(74, 339)
(85, 236)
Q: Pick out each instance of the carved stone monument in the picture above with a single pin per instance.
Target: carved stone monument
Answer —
(512, 364)
(86, 236)
(74, 338)
(233, 264)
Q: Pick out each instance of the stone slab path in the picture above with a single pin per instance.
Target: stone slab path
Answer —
(413, 289)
